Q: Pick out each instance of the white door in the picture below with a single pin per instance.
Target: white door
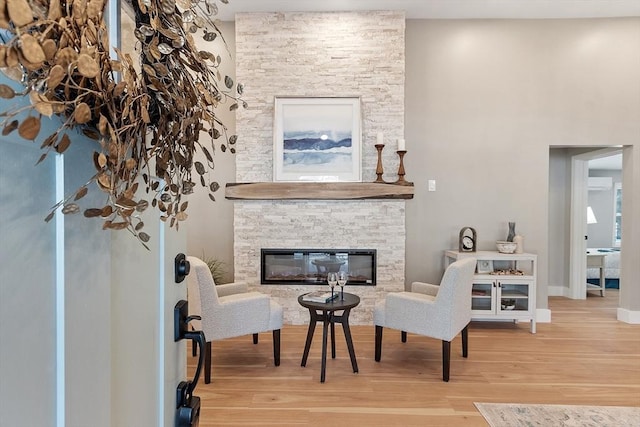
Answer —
(27, 287)
(55, 310)
(86, 315)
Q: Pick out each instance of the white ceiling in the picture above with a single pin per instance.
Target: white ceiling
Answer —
(447, 9)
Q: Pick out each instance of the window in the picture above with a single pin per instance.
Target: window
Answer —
(617, 214)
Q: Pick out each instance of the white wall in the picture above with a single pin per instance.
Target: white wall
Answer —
(485, 101)
(559, 217)
(629, 309)
(210, 230)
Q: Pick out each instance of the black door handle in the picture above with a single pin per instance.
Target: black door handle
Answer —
(181, 267)
(188, 405)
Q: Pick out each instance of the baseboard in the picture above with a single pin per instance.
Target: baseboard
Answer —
(543, 315)
(558, 291)
(628, 316)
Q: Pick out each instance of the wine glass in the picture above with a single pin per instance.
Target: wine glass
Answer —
(342, 280)
(332, 279)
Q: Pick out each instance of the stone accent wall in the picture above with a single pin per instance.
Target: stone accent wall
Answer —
(320, 54)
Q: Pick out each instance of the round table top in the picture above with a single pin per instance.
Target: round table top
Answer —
(350, 301)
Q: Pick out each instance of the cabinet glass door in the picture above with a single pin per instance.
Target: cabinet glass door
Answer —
(513, 296)
(482, 299)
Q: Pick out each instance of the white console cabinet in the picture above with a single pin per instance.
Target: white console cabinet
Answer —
(504, 285)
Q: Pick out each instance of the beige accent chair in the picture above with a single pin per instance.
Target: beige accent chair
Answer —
(229, 310)
(435, 311)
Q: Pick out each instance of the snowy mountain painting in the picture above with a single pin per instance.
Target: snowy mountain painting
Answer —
(317, 139)
(317, 152)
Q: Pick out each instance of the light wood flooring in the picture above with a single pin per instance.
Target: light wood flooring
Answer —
(584, 357)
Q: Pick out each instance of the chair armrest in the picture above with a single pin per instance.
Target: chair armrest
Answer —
(406, 308)
(231, 288)
(241, 314)
(425, 288)
(414, 312)
(401, 300)
(247, 300)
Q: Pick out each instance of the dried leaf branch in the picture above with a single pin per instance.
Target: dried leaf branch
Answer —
(148, 124)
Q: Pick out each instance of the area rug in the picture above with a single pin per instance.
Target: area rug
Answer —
(519, 415)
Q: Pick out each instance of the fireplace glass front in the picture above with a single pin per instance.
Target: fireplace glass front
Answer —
(310, 266)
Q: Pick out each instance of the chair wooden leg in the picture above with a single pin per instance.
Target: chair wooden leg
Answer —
(255, 338)
(446, 359)
(207, 363)
(276, 347)
(465, 341)
(378, 346)
(403, 336)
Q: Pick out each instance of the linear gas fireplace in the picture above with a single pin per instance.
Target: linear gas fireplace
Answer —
(310, 266)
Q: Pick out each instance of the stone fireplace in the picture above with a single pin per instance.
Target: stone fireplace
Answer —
(320, 54)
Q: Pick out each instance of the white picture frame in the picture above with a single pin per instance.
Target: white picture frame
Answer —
(484, 266)
(317, 139)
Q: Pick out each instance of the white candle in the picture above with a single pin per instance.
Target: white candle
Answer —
(401, 146)
(379, 138)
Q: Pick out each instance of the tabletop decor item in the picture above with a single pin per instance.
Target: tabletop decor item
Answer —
(512, 231)
(342, 281)
(332, 279)
(484, 266)
(506, 247)
(379, 169)
(148, 123)
(508, 272)
(519, 241)
(401, 172)
(319, 296)
(467, 239)
(508, 304)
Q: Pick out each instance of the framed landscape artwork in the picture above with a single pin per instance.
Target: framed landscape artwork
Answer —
(317, 139)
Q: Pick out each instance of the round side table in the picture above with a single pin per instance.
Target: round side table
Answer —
(326, 313)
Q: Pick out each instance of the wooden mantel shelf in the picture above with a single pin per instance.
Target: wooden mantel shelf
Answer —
(317, 191)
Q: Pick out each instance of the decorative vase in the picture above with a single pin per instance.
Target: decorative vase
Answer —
(512, 231)
(519, 241)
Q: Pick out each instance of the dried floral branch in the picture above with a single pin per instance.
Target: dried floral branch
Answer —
(148, 124)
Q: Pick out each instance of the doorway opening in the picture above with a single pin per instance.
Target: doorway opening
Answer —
(584, 220)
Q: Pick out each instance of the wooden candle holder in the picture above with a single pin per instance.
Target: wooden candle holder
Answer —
(379, 170)
(401, 173)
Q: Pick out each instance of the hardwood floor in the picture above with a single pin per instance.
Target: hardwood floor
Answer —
(584, 357)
